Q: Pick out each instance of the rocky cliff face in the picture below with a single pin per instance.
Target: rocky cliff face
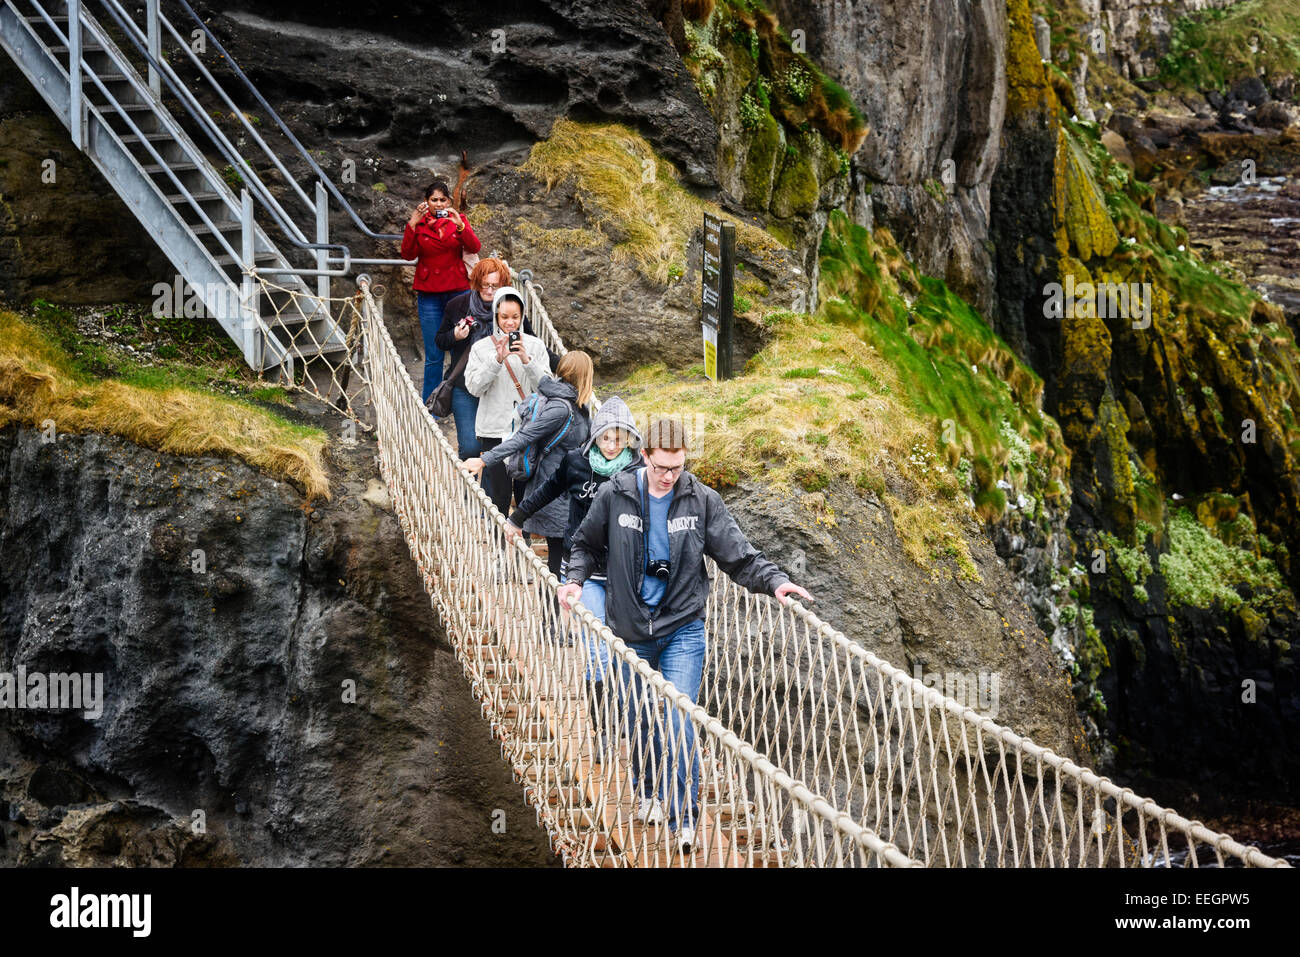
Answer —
(1173, 444)
(929, 78)
(63, 235)
(271, 668)
(1138, 32)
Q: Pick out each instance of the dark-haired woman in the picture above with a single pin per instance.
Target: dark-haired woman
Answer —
(437, 237)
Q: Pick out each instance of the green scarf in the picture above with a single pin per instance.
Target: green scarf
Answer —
(606, 467)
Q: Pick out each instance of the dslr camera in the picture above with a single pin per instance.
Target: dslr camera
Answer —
(660, 568)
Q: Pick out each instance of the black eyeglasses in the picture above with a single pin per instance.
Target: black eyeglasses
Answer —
(661, 470)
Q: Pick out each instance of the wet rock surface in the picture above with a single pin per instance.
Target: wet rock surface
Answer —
(422, 81)
(226, 690)
(1256, 227)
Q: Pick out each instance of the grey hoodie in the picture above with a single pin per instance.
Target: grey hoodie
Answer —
(613, 414)
(488, 379)
(562, 425)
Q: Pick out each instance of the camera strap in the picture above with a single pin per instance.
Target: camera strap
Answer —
(645, 517)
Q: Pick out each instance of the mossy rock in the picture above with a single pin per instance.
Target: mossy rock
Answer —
(1113, 470)
(1087, 221)
(796, 189)
(764, 146)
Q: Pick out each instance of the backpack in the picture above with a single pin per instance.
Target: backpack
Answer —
(523, 464)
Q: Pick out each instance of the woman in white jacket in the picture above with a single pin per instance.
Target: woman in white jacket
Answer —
(503, 368)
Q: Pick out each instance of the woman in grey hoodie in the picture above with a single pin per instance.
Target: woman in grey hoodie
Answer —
(561, 424)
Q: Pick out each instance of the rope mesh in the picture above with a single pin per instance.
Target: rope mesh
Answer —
(806, 750)
(319, 340)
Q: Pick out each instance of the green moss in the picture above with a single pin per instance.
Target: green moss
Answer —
(760, 162)
(796, 189)
(1092, 655)
(936, 190)
(1200, 570)
(1212, 48)
(1087, 220)
(954, 368)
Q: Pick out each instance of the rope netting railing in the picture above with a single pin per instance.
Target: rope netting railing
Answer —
(589, 729)
(948, 786)
(320, 340)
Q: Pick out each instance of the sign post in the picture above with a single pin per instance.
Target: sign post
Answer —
(717, 296)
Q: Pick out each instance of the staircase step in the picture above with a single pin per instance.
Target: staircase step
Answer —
(85, 48)
(110, 109)
(203, 196)
(153, 169)
(56, 17)
(151, 137)
(226, 226)
(259, 257)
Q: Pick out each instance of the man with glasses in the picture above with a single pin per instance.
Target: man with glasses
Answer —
(651, 528)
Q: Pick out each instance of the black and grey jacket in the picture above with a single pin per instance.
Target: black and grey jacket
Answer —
(698, 525)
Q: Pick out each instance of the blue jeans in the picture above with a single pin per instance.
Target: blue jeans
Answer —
(679, 657)
(464, 408)
(593, 599)
(429, 306)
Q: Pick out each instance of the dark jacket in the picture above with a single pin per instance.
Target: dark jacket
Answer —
(575, 480)
(562, 398)
(439, 253)
(456, 310)
(611, 535)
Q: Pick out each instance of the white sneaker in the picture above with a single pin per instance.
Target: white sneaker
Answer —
(650, 811)
(686, 839)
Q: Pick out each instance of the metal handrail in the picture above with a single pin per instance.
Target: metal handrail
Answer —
(302, 151)
(282, 219)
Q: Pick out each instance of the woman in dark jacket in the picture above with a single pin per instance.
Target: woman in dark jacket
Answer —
(561, 425)
(582, 473)
(466, 320)
(437, 237)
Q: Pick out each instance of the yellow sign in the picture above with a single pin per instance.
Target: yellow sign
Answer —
(711, 353)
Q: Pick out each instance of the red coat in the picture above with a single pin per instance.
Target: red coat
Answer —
(438, 248)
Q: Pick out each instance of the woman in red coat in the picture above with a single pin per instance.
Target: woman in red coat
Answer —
(437, 237)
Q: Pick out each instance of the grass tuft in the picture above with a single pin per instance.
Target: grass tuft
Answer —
(631, 195)
(39, 382)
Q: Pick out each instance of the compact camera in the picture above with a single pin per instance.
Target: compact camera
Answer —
(440, 214)
(660, 568)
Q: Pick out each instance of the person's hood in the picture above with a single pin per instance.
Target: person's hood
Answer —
(558, 389)
(613, 413)
(501, 294)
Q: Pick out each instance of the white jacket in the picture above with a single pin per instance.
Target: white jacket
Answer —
(488, 379)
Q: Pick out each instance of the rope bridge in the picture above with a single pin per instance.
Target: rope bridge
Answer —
(810, 750)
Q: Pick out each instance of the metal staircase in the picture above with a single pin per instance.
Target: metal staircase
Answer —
(109, 81)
